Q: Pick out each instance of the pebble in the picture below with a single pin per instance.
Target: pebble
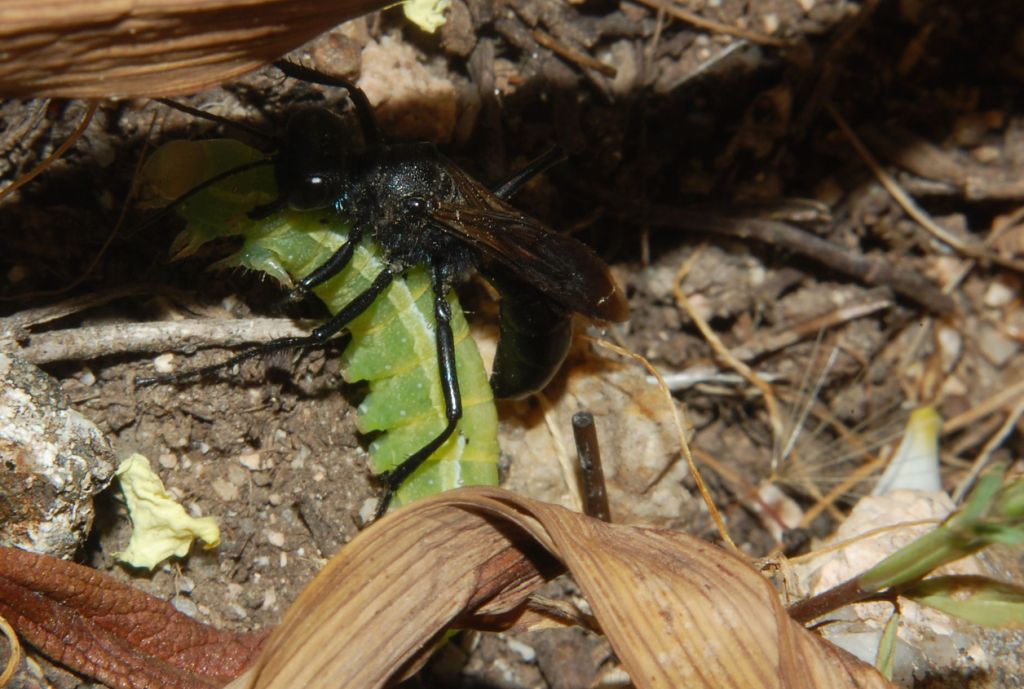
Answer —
(186, 584)
(527, 653)
(185, 605)
(274, 538)
(238, 476)
(164, 363)
(999, 294)
(950, 346)
(227, 492)
(168, 460)
(251, 461)
(986, 154)
(367, 510)
(995, 346)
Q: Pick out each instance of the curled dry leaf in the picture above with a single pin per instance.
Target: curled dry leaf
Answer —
(75, 49)
(678, 611)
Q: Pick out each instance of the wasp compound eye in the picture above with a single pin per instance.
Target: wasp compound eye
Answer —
(415, 204)
(314, 192)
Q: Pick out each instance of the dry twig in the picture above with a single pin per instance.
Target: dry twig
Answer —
(53, 157)
(711, 25)
(167, 336)
(868, 269)
(771, 404)
(971, 249)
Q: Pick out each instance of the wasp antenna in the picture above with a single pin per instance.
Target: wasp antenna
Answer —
(202, 114)
(364, 111)
(508, 187)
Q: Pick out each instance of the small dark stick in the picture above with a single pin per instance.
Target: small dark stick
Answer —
(591, 475)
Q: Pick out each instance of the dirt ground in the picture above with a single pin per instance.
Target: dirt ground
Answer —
(681, 140)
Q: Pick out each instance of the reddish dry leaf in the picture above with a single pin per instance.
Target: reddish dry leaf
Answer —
(678, 611)
(105, 629)
(114, 48)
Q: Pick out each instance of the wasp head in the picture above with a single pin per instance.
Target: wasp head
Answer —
(311, 168)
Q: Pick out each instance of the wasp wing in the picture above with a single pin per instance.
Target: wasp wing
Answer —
(563, 268)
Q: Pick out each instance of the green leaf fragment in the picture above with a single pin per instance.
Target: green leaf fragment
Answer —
(885, 659)
(976, 599)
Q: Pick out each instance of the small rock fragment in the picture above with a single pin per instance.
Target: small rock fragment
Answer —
(995, 346)
(53, 461)
(251, 461)
(226, 491)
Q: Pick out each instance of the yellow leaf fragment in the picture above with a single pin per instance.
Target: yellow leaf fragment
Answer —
(426, 14)
(160, 526)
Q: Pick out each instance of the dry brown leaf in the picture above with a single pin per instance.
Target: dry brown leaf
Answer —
(633, 421)
(117, 48)
(678, 611)
(106, 629)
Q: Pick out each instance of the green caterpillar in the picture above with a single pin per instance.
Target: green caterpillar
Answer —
(393, 344)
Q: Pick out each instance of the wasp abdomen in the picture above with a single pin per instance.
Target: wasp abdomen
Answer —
(535, 335)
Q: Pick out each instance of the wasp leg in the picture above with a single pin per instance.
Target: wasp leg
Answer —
(449, 388)
(328, 269)
(507, 187)
(364, 111)
(318, 336)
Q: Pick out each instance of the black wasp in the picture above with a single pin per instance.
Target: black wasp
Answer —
(422, 209)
